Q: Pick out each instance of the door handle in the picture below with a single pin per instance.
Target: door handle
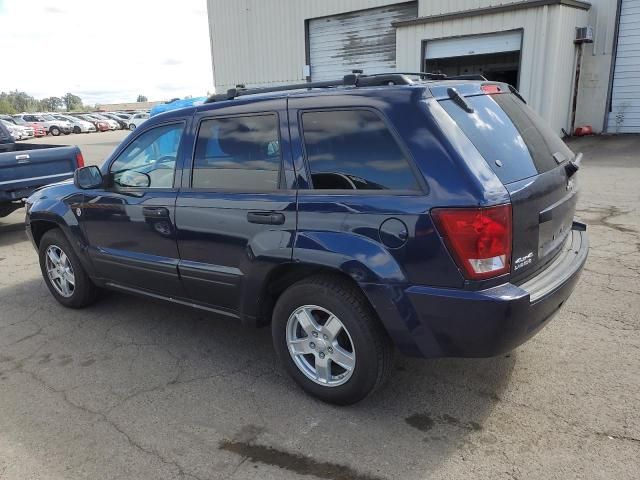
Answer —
(266, 218)
(155, 212)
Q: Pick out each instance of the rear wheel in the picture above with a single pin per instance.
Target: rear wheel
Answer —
(63, 273)
(55, 131)
(330, 340)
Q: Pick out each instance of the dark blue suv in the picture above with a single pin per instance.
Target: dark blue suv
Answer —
(433, 214)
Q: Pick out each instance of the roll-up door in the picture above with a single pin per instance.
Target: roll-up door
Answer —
(364, 39)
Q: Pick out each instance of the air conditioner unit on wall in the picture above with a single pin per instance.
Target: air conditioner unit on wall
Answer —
(584, 34)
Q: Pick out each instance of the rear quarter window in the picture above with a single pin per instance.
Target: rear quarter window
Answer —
(512, 138)
(354, 150)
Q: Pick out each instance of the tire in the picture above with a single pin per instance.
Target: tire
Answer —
(371, 351)
(7, 209)
(76, 130)
(55, 131)
(132, 126)
(84, 292)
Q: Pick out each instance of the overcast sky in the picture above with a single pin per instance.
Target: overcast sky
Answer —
(105, 51)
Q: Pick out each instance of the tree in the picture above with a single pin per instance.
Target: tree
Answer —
(20, 101)
(72, 102)
(50, 104)
(142, 98)
(5, 107)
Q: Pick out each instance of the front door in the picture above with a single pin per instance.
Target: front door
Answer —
(236, 214)
(130, 225)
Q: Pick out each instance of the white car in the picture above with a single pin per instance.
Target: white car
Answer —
(67, 128)
(17, 131)
(137, 119)
(77, 125)
(52, 126)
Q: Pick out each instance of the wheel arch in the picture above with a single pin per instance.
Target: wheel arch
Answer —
(280, 279)
(38, 227)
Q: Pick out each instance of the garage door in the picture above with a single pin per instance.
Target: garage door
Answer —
(494, 55)
(365, 39)
(624, 116)
(474, 45)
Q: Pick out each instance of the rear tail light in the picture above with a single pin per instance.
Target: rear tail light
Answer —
(79, 160)
(479, 239)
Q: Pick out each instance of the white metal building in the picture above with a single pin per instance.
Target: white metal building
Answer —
(528, 43)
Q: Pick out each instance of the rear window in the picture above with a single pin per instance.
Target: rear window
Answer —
(240, 153)
(512, 138)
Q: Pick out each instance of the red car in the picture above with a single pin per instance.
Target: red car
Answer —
(38, 130)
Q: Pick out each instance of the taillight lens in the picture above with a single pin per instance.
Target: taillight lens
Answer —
(491, 88)
(79, 160)
(479, 239)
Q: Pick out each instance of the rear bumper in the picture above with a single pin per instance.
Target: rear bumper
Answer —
(438, 322)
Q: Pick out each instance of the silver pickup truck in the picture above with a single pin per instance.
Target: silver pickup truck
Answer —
(27, 167)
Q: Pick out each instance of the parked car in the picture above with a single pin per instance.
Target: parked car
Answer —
(77, 125)
(18, 131)
(53, 127)
(27, 167)
(121, 123)
(137, 119)
(100, 125)
(38, 130)
(436, 215)
(67, 127)
(123, 116)
(113, 125)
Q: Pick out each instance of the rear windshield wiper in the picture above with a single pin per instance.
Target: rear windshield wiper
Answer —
(459, 100)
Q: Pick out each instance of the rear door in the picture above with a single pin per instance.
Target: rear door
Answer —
(236, 212)
(533, 164)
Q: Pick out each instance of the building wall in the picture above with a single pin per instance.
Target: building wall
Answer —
(115, 107)
(596, 65)
(258, 42)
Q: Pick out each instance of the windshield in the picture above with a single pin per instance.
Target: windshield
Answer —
(19, 121)
(512, 138)
(49, 118)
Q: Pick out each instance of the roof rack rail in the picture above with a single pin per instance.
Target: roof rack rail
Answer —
(470, 76)
(355, 79)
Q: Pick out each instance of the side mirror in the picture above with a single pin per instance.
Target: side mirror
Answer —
(87, 178)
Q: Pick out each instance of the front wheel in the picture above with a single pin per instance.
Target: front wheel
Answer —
(76, 130)
(55, 131)
(330, 340)
(63, 273)
(132, 126)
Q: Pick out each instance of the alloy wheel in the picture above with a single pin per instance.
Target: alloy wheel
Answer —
(320, 346)
(60, 271)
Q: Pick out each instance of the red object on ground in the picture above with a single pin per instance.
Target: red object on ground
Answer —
(582, 131)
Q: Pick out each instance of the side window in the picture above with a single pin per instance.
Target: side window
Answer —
(240, 153)
(150, 160)
(354, 150)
